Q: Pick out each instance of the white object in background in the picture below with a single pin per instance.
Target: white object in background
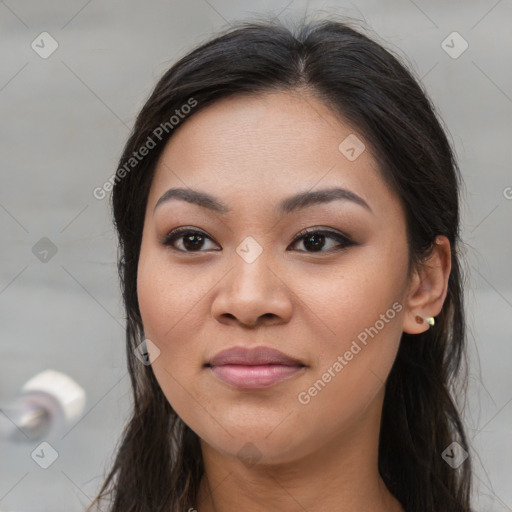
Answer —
(48, 403)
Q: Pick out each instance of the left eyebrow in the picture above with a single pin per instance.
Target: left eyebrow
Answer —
(287, 206)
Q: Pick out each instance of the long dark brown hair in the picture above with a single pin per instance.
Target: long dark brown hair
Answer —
(158, 463)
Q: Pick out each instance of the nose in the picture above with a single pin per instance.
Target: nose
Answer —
(253, 293)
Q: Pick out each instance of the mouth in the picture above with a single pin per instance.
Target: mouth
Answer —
(255, 368)
(254, 376)
(258, 356)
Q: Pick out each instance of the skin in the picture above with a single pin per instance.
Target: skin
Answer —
(251, 152)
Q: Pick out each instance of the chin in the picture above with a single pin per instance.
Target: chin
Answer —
(253, 446)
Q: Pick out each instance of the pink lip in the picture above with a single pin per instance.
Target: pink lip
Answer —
(255, 368)
(254, 377)
(253, 357)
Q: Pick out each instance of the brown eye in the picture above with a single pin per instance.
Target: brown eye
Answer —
(314, 240)
(192, 240)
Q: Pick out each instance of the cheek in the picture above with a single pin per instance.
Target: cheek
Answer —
(153, 297)
(359, 319)
(172, 312)
(165, 296)
(348, 302)
(161, 307)
(355, 356)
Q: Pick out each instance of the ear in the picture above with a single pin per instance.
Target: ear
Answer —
(428, 287)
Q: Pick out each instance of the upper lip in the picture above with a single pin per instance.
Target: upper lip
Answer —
(252, 357)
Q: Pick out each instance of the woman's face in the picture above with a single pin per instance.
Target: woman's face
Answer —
(244, 279)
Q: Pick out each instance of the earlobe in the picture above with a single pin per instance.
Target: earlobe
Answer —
(428, 289)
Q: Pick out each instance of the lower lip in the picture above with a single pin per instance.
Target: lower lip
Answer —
(254, 377)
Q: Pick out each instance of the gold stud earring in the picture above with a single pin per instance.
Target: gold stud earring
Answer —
(430, 320)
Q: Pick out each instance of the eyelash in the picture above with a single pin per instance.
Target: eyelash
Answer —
(180, 232)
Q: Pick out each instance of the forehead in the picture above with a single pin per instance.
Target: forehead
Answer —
(265, 147)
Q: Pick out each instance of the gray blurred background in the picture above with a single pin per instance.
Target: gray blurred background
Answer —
(64, 120)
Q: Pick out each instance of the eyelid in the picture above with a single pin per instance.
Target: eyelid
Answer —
(323, 231)
(173, 234)
(344, 241)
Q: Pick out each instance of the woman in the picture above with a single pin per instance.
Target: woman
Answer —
(288, 218)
